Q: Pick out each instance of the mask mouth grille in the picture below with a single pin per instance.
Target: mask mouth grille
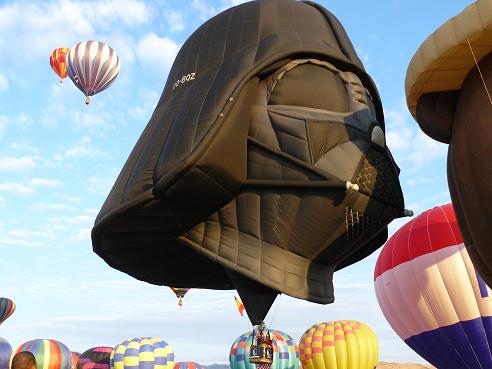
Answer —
(377, 178)
(358, 224)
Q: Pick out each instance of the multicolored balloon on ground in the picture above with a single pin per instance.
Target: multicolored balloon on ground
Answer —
(431, 294)
(5, 353)
(92, 66)
(7, 308)
(49, 354)
(58, 62)
(345, 344)
(142, 353)
(180, 292)
(75, 359)
(285, 352)
(95, 358)
(188, 365)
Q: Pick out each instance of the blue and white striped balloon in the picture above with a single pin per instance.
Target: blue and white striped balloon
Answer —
(142, 353)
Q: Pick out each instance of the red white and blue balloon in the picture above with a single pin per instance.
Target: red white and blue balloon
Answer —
(431, 294)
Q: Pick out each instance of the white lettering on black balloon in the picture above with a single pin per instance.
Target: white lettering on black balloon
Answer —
(186, 78)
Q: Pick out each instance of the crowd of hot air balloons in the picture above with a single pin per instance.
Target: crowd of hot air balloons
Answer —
(91, 65)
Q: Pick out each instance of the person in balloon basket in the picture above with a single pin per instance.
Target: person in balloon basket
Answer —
(24, 360)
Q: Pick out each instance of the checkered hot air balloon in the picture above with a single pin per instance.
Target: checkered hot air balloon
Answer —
(95, 358)
(58, 62)
(142, 353)
(92, 66)
(49, 354)
(345, 344)
(285, 352)
(431, 294)
(7, 308)
(5, 353)
(188, 365)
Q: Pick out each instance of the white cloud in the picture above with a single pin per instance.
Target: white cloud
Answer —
(412, 149)
(100, 185)
(78, 219)
(4, 83)
(17, 164)
(157, 52)
(16, 188)
(203, 10)
(82, 149)
(44, 182)
(41, 206)
(175, 20)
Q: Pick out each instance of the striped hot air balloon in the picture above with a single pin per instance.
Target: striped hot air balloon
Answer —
(285, 352)
(95, 358)
(431, 294)
(180, 293)
(92, 66)
(143, 353)
(58, 62)
(7, 308)
(188, 365)
(345, 344)
(5, 353)
(49, 354)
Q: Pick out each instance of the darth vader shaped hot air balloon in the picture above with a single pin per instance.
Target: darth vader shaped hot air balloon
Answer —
(264, 166)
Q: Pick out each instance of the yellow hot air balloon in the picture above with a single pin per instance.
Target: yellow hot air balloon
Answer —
(345, 344)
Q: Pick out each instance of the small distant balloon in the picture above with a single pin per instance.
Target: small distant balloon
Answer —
(95, 358)
(5, 353)
(180, 292)
(7, 308)
(142, 353)
(49, 354)
(58, 62)
(92, 66)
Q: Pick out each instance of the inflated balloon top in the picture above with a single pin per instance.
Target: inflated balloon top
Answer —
(58, 62)
(285, 351)
(5, 353)
(92, 66)
(49, 354)
(7, 308)
(188, 365)
(344, 344)
(431, 294)
(142, 353)
(95, 358)
(264, 167)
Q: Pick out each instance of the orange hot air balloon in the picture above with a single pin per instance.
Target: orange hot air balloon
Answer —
(58, 61)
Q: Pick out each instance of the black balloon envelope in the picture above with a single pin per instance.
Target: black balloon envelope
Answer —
(264, 167)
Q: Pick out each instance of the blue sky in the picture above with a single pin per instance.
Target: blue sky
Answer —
(59, 159)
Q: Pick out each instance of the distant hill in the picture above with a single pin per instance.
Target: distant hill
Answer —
(381, 365)
(384, 365)
(218, 366)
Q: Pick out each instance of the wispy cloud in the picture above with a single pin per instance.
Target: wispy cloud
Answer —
(4, 83)
(42, 206)
(146, 51)
(203, 10)
(175, 20)
(82, 149)
(45, 182)
(16, 188)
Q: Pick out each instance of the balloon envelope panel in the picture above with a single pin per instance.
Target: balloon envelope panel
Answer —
(95, 358)
(49, 354)
(285, 352)
(431, 294)
(188, 365)
(5, 353)
(143, 353)
(345, 344)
